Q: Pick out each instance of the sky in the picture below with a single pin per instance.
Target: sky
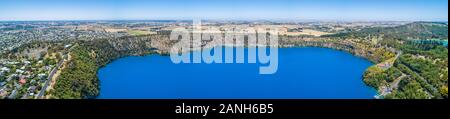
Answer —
(343, 10)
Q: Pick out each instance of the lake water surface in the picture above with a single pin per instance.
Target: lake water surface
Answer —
(303, 73)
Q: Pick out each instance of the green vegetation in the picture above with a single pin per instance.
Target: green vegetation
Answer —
(425, 62)
(431, 49)
(420, 72)
(78, 79)
(377, 77)
(412, 90)
(416, 30)
(428, 74)
(2, 78)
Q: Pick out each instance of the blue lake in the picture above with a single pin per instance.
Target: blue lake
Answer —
(303, 73)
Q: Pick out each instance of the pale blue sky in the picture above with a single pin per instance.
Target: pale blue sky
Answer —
(373, 10)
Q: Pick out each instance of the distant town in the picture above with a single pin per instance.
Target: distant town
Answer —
(13, 34)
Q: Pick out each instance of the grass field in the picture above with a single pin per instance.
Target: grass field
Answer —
(139, 32)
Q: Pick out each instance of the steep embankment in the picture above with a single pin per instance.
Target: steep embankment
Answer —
(421, 71)
(79, 79)
(426, 78)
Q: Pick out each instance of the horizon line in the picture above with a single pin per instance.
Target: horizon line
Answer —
(270, 20)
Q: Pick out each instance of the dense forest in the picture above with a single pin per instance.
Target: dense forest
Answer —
(423, 62)
(79, 79)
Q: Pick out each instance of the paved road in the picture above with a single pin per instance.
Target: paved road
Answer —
(49, 79)
(421, 78)
(429, 92)
(394, 85)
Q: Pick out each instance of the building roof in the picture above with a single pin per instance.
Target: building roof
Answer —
(22, 81)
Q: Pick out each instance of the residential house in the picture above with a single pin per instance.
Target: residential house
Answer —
(67, 46)
(3, 92)
(42, 76)
(33, 81)
(11, 77)
(5, 69)
(13, 94)
(22, 80)
(19, 71)
(18, 86)
(31, 90)
(26, 62)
